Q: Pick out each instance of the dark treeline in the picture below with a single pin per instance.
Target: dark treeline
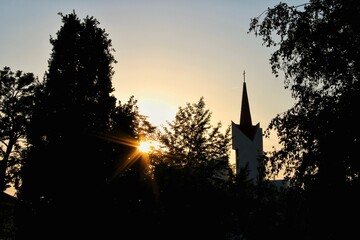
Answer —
(69, 147)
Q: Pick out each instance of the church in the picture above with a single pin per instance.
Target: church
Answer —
(247, 141)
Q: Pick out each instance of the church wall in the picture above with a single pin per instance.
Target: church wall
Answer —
(247, 150)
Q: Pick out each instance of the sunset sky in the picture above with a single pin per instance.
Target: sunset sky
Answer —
(169, 52)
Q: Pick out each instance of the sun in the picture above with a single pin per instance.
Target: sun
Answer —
(145, 146)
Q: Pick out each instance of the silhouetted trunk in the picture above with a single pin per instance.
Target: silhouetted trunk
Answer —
(4, 163)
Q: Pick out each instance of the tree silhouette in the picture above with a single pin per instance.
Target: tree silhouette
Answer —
(64, 172)
(130, 195)
(16, 100)
(316, 50)
(191, 141)
(316, 46)
(128, 126)
(192, 173)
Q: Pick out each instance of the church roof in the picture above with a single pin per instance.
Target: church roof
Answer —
(245, 117)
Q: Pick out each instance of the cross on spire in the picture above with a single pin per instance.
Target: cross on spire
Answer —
(245, 117)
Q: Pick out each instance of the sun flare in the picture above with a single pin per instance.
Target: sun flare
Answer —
(145, 146)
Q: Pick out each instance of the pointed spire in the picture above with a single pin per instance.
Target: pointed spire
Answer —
(245, 116)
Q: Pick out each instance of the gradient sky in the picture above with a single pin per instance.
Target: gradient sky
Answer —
(169, 52)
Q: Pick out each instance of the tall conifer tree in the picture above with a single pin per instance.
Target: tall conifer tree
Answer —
(64, 174)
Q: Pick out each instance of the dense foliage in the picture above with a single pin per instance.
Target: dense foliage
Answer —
(316, 46)
(64, 170)
(17, 90)
(191, 141)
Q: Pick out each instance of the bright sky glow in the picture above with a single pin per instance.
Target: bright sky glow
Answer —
(169, 52)
(145, 147)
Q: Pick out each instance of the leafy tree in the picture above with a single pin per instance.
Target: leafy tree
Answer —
(128, 123)
(64, 171)
(316, 46)
(128, 128)
(131, 195)
(191, 141)
(190, 171)
(16, 105)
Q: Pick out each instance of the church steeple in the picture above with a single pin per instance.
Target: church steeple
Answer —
(247, 141)
(245, 116)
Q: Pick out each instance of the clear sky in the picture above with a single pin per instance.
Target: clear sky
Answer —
(169, 52)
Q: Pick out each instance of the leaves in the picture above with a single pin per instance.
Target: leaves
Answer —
(314, 47)
(16, 107)
(190, 141)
